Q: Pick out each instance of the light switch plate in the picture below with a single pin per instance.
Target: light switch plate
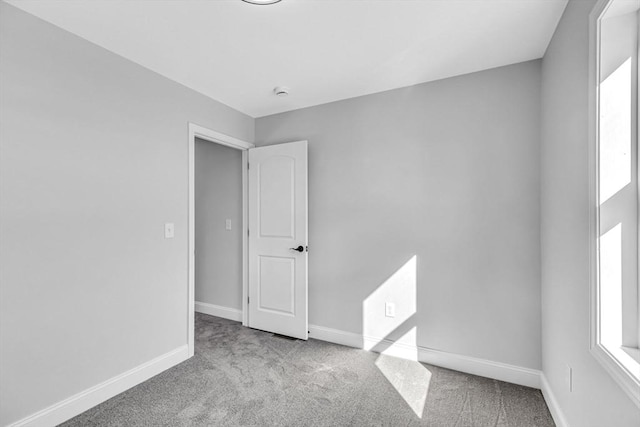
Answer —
(227, 224)
(169, 230)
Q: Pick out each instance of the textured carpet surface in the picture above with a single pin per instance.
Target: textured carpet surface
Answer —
(243, 377)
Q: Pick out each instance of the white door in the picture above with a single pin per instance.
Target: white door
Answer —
(278, 239)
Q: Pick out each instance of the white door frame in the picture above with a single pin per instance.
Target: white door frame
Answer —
(196, 131)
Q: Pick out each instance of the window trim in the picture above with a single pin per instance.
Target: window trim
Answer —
(627, 380)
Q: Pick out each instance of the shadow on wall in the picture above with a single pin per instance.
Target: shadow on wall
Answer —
(389, 326)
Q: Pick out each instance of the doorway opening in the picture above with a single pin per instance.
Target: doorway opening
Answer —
(235, 223)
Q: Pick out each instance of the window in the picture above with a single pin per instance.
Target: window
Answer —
(615, 337)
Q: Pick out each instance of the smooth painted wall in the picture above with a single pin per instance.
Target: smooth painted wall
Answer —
(448, 172)
(218, 197)
(596, 400)
(93, 162)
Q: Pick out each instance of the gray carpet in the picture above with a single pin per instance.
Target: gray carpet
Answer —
(243, 377)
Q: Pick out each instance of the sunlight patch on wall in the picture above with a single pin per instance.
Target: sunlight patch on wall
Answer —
(400, 290)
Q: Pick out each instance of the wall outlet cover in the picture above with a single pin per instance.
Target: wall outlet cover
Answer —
(389, 309)
(169, 230)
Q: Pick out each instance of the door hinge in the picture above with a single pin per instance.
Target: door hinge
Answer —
(247, 300)
(248, 167)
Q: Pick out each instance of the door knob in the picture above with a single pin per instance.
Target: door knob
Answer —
(299, 248)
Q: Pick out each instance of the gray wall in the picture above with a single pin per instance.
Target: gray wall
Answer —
(218, 250)
(447, 171)
(93, 162)
(596, 399)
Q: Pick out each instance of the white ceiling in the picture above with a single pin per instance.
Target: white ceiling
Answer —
(324, 50)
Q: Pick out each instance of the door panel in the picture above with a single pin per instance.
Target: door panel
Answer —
(277, 285)
(276, 177)
(277, 224)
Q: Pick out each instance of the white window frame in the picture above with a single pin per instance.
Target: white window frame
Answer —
(621, 366)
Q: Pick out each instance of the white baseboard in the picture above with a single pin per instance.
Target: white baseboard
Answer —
(336, 336)
(471, 365)
(481, 367)
(87, 399)
(219, 311)
(552, 403)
